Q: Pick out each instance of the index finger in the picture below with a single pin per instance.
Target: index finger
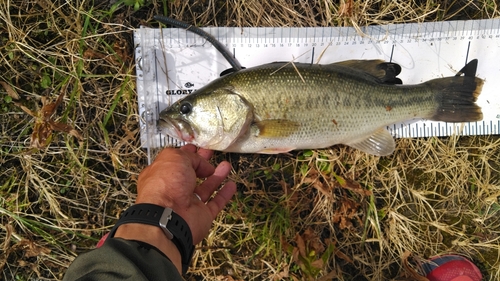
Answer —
(205, 153)
(180, 158)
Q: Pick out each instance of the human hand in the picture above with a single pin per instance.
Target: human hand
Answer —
(171, 181)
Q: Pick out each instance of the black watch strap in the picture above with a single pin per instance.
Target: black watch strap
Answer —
(172, 224)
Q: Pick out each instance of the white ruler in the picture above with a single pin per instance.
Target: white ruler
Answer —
(174, 62)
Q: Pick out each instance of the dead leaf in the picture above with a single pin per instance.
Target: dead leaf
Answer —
(301, 245)
(343, 256)
(61, 127)
(6, 246)
(13, 94)
(34, 251)
(31, 249)
(318, 263)
(313, 241)
(44, 125)
(329, 276)
(321, 187)
(352, 185)
(121, 49)
(346, 213)
(92, 54)
(282, 274)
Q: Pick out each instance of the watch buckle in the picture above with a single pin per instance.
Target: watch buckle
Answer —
(164, 219)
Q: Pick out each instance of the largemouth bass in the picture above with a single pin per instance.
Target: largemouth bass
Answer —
(279, 107)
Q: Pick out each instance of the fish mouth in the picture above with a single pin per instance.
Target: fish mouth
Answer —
(176, 128)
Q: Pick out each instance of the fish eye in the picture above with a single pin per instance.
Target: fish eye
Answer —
(185, 107)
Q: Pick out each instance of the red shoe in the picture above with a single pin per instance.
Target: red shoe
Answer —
(451, 268)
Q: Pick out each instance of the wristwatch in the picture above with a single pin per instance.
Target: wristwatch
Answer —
(174, 227)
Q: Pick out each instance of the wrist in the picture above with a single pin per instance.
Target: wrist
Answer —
(167, 226)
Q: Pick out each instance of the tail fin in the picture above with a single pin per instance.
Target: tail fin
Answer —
(457, 96)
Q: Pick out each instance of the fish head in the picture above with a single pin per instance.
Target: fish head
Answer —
(209, 119)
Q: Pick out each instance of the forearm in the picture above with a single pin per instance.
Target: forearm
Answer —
(153, 235)
(120, 259)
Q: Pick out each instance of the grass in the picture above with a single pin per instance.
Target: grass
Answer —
(323, 214)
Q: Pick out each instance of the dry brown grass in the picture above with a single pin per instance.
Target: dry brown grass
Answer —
(334, 213)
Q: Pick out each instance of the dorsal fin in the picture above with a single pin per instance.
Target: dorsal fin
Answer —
(383, 72)
(229, 71)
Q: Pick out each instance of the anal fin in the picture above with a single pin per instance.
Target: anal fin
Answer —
(276, 150)
(380, 143)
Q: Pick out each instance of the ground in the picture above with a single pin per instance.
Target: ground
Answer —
(69, 169)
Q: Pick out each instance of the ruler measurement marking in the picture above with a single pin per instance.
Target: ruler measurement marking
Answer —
(226, 41)
(467, 54)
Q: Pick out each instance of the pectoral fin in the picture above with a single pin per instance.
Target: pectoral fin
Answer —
(274, 128)
(380, 143)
